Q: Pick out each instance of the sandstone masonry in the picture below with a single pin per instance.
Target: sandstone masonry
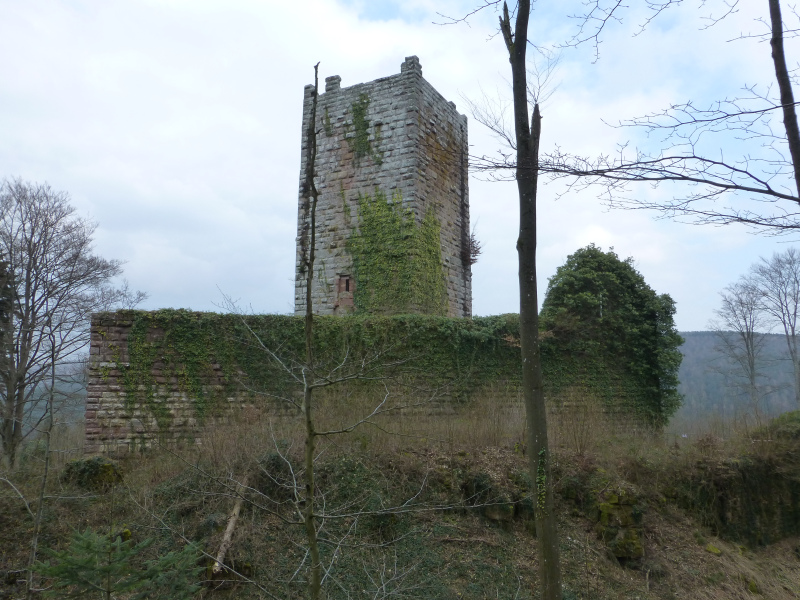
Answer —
(164, 377)
(118, 421)
(395, 136)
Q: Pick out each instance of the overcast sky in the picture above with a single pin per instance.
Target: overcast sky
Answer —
(175, 125)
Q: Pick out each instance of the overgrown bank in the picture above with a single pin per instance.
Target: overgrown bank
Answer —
(430, 516)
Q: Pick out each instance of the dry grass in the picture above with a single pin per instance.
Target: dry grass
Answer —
(578, 424)
(401, 423)
(579, 428)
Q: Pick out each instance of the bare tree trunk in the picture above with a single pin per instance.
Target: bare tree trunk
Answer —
(527, 137)
(37, 523)
(791, 339)
(785, 87)
(752, 382)
(315, 583)
(16, 431)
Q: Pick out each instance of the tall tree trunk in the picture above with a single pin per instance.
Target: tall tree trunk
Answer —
(7, 371)
(796, 365)
(527, 174)
(752, 374)
(785, 87)
(37, 522)
(309, 518)
(789, 322)
(19, 420)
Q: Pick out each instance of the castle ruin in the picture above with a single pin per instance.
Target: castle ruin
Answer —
(393, 211)
(392, 238)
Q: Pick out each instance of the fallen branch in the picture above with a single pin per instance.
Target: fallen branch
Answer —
(227, 538)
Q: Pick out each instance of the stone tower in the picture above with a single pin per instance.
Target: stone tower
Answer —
(393, 211)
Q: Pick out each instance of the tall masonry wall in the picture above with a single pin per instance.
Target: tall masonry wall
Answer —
(137, 392)
(395, 136)
(170, 376)
(167, 376)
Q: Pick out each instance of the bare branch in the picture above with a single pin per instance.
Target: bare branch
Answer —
(465, 19)
(21, 496)
(599, 14)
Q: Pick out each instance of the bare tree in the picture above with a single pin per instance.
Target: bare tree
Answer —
(51, 282)
(758, 188)
(523, 159)
(778, 284)
(310, 197)
(740, 331)
(525, 141)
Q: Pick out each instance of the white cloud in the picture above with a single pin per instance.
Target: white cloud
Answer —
(176, 125)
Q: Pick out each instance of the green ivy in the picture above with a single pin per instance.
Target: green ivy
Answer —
(609, 332)
(183, 348)
(137, 377)
(359, 142)
(397, 263)
(326, 123)
(213, 357)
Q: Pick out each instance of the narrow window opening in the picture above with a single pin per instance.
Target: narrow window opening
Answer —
(345, 287)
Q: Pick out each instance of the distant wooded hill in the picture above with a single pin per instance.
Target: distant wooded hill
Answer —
(708, 391)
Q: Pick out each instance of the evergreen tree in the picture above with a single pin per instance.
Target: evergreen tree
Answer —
(612, 332)
(96, 566)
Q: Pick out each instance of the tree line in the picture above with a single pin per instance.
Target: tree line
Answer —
(766, 299)
(709, 383)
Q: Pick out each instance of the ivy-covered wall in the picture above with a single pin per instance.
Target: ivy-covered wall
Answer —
(164, 375)
(397, 262)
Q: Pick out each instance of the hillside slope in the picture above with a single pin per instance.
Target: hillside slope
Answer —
(421, 515)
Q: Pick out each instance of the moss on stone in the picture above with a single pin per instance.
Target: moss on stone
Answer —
(713, 549)
(627, 545)
(98, 473)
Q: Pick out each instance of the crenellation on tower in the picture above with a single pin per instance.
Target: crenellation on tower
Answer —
(332, 83)
(398, 140)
